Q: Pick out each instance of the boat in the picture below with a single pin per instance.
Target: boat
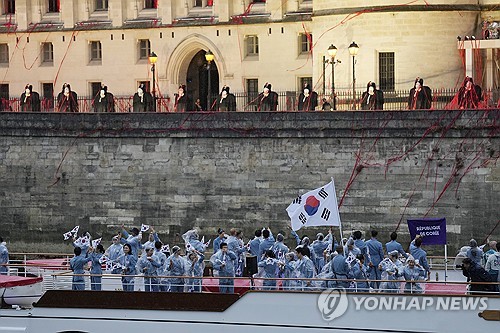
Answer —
(19, 290)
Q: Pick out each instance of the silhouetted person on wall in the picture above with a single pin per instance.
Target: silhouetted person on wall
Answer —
(30, 100)
(372, 98)
(104, 101)
(226, 101)
(142, 100)
(67, 100)
(469, 94)
(183, 102)
(267, 99)
(308, 99)
(420, 96)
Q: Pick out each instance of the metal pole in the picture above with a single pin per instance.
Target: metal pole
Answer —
(445, 262)
(333, 85)
(154, 88)
(353, 84)
(324, 74)
(208, 93)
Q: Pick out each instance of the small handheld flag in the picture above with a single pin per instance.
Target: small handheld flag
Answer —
(144, 227)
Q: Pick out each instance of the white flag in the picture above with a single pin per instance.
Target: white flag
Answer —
(75, 230)
(315, 208)
(165, 248)
(144, 227)
(207, 243)
(96, 242)
(67, 235)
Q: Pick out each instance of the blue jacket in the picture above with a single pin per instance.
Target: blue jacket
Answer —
(266, 244)
(374, 248)
(128, 262)
(148, 267)
(419, 255)
(224, 263)
(96, 265)
(254, 246)
(114, 251)
(76, 264)
(217, 243)
(270, 266)
(339, 267)
(133, 241)
(4, 258)
(393, 245)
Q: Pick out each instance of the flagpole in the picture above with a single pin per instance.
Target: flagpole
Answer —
(340, 222)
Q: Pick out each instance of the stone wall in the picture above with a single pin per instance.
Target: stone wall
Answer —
(178, 171)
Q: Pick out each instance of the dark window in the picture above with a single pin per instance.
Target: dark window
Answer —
(4, 90)
(305, 80)
(95, 51)
(9, 6)
(95, 88)
(386, 70)
(145, 83)
(144, 48)
(150, 3)
(53, 6)
(198, 3)
(4, 53)
(305, 43)
(101, 5)
(47, 53)
(48, 95)
(252, 43)
(252, 90)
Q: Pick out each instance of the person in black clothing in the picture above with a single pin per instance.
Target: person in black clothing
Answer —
(308, 99)
(142, 100)
(67, 100)
(104, 101)
(226, 100)
(182, 100)
(197, 105)
(469, 95)
(267, 99)
(475, 273)
(326, 106)
(420, 96)
(372, 98)
(30, 100)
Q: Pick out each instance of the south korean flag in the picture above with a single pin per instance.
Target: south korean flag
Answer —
(315, 208)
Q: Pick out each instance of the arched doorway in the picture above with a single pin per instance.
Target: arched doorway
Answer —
(197, 79)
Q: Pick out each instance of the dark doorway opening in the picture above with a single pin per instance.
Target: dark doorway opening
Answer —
(197, 79)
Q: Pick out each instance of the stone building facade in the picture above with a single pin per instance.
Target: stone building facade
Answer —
(86, 43)
(177, 171)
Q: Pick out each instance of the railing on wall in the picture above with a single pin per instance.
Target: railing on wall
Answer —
(287, 101)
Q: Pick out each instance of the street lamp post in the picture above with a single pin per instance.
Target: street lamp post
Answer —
(152, 59)
(209, 57)
(332, 52)
(353, 51)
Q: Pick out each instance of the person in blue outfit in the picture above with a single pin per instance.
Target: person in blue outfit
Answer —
(279, 248)
(304, 268)
(493, 264)
(270, 267)
(306, 243)
(340, 269)
(474, 253)
(235, 245)
(375, 254)
(358, 242)
(114, 251)
(128, 262)
(133, 239)
(319, 246)
(420, 255)
(350, 248)
(360, 274)
(192, 237)
(412, 273)
(255, 243)
(266, 244)
(287, 268)
(176, 268)
(148, 265)
(395, 246)
(223, 262)
(96, 270)
(4, 258)
(391, 270)
(77, 264)
(221, 237)
(164, 271)
(194, 268)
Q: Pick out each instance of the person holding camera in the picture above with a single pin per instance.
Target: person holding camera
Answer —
(475, 273)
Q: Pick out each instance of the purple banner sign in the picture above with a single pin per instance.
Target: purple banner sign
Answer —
(433, 230)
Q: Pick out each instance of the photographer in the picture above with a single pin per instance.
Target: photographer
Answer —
(476, 273)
